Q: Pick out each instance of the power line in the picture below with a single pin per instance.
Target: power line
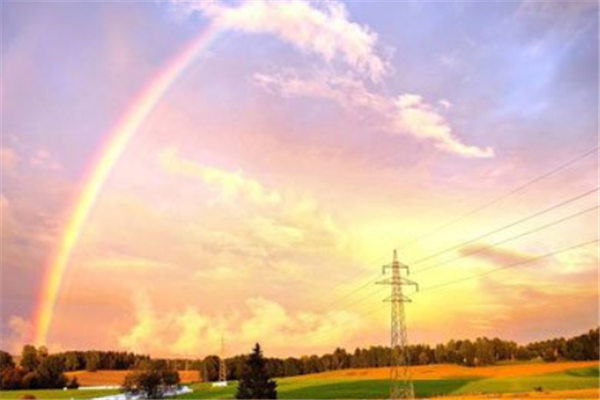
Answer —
(539, 228)
(553, 223)
(534, 215)
(504, 196)
(468, 214)
(348, 295)
(449, 283)
(480, 208)
(435, 287)
(401, 385)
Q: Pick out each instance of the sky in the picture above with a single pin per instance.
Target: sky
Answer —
(302, 143)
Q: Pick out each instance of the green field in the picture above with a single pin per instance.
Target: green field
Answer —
(57, 394)
(346, 388)
(315, 388)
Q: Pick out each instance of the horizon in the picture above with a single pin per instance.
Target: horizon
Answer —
(175, 171)
(349, 351)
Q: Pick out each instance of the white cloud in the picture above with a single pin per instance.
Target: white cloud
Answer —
(405, 114)
(423, 121)
(121, 262)
(324, 28)
(321, 28)
(189, 332)
(8, 159)
(41, 158)
(278, 220)
(20, 333)
(232, 185)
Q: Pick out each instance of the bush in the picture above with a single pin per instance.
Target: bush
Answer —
(152, 380)
(31, 380)
(73, 383)
(51, 372)
(10, 378)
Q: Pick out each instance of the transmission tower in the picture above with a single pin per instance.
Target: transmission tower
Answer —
(401, 386)
(222, 365)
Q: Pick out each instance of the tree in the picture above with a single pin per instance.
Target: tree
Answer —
(73, 383)
(153, 380)
(72, 361)
(210, 368)
(6, 361)
(51, 372)
(92, 361)
(10, 378)
(31, 380)
(42, 352)
(255, 383)
(29, 358)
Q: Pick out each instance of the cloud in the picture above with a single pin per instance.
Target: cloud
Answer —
(557, 11)
(121, 262)
(43, 159)
(20, 333)
(324, 28)
(407, 114)
(281, 220)
(531, 306)
(143, 336)
(8, 159)
(495, 255)
(423, 121)
(188, 332)
(232, 185)
(321, 28)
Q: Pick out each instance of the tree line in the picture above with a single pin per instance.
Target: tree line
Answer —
(479, 352)
(38, 369)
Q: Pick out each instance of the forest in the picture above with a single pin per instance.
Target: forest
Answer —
(39, 369)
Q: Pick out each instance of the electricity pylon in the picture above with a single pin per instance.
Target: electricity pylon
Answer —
(401, 386)
(222, 365)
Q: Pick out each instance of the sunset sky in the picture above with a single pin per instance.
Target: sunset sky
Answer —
(281, 165)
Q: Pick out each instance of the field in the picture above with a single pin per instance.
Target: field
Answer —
(111, 378)
(98, 378)
(568, 380)
(56, 394)
(558, 380)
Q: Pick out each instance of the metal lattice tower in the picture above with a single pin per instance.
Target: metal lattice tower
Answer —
(222, 365)
(401, 386)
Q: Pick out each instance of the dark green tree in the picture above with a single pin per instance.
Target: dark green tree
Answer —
(6, 361)
(92, 361)
(29, 358)
(152, 380)
(51, 372)
(255, 382)
(10, 378)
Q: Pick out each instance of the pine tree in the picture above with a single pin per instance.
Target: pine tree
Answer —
(255, 382)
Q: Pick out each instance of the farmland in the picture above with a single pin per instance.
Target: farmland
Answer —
(113, 377)
(533, 380)
(555, 380)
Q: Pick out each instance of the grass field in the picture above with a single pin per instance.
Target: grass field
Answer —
(556, 380)
(567, 383)
(56, 394)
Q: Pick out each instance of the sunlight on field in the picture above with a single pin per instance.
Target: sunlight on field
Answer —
(555, 394)
(56, 394)
(535, 381)
(449, 371)
(112, 378)
(569, 380)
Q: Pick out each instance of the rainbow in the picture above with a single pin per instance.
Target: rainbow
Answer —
(118, 139)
